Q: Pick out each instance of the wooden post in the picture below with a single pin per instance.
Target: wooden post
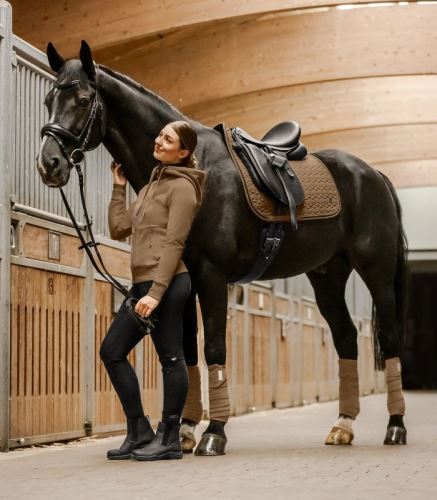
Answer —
(5, 216)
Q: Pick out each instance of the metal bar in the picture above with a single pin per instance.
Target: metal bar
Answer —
(35, 69)
(247, 359)
(46, 266)
(36, 221)
(30, 53)
(5, 217)
(87, 392)
(104, 240)
(36, 212)
(45, 438)
(234, 360)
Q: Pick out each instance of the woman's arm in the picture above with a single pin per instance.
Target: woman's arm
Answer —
(119, 221)
(182, 204)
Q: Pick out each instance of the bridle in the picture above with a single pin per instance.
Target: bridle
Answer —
(75, 160)
(58, 132)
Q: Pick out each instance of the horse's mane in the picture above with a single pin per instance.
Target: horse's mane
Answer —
(130, 82)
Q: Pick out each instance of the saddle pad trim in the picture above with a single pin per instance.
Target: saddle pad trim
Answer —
(264, 207)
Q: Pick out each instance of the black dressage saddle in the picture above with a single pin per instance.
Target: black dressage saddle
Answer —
(267, 161)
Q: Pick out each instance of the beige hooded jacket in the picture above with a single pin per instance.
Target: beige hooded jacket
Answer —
(159, 220)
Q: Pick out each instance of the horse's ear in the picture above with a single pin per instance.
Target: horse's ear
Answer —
(87, 60)
(55, 60)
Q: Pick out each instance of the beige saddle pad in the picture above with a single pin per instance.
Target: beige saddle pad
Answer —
(322, 199)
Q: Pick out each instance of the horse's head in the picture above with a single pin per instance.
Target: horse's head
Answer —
(77, 122)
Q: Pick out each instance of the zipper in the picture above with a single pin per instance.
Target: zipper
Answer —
(147, 190)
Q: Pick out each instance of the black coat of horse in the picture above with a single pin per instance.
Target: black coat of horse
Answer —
(366, 236)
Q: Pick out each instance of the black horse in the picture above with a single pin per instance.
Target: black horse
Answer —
(366, 236)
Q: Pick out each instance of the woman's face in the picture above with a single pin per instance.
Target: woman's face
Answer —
(168, 146)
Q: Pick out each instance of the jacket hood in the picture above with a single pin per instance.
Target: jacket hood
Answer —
(196, 176)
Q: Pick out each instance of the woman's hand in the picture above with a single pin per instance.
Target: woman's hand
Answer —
(117, 173)
(145, 306)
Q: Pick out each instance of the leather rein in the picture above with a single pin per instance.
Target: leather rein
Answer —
(75, 160)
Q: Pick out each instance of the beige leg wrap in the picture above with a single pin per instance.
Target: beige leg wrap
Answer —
(395, 396)
(219, 405)
(349, 403)
(193, 409)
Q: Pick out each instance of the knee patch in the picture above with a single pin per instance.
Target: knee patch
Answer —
(169, 362)
(105, 354)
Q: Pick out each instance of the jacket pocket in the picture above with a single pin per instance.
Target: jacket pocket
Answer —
(154, 243)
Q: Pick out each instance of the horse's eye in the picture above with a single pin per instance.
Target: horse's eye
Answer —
(84, 101)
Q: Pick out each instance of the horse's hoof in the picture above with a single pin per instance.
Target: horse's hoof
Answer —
(211, 445)
(188, 440)
(396, 435)
(339, 436)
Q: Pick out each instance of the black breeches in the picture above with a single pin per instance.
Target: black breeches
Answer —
(124, 334)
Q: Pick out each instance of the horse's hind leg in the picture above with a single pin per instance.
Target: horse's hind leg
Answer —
(329, 287)
(380, 281)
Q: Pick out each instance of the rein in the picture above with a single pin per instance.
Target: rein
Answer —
(75, 160)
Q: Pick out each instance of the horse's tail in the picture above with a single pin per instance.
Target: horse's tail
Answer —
(400, 282)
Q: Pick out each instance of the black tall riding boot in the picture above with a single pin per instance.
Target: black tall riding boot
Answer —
(139, 433)
(166, 444)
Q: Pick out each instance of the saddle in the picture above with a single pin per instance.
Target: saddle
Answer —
(265, 195)
(267, 161)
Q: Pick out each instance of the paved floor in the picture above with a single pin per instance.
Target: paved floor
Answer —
(277, 454)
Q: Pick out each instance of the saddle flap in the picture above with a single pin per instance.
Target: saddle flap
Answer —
(262, 171)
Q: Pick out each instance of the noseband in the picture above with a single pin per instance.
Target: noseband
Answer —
(80, 142)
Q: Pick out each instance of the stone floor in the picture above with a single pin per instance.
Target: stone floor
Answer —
(276, 454)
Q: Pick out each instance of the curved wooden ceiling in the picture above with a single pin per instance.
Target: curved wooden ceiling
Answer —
(360, 79)
(107, 24)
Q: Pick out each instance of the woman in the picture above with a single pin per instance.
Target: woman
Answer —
(159, 221)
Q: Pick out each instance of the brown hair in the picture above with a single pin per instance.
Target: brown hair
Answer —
(188, 139)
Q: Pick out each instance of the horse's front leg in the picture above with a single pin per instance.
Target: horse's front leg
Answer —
(213, 297)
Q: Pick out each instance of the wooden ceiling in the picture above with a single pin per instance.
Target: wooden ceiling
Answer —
(361, 79)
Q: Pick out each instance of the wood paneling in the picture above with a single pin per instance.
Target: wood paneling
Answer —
(240, 397)
(261, 383)
(108, 409)
(116, 261)
(233, 58)
(35, 242)
(328, 106)
(413, 173)
(260, 299)
(283, 366)
(380, 144)
(310, 341)
(46, 363)
(151, 390)
(105, 23)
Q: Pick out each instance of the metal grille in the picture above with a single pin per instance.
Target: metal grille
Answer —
(31, 82)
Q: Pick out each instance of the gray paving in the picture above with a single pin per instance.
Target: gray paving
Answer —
(276, 454)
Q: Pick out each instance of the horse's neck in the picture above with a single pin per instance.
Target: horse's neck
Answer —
(134, 119)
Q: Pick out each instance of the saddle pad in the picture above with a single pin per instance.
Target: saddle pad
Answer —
(322, 199)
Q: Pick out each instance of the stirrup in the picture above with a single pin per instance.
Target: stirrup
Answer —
(146, 324)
